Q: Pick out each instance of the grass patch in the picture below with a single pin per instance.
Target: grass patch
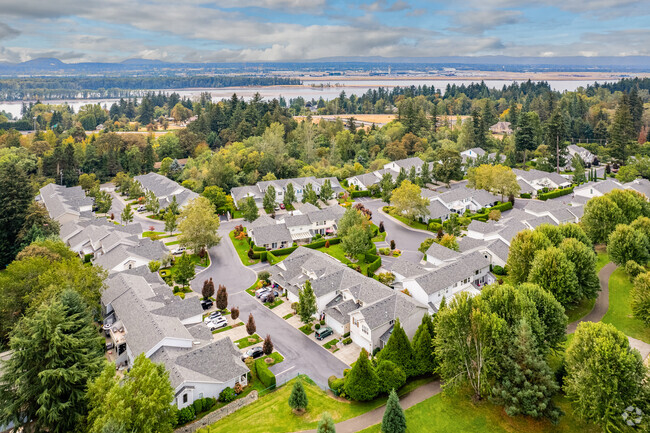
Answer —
(272, 414)
(330, 343)
(288, 316)
(456, 412)
(619, 313)
(251, 289)
(306, 329)
(337, 252)
(276, 357)
(150, 234)
(172, 243)
(248, 341)
(227, 328)
(275, 303)
(602, 258)
(580, 310)
(242, 248)
(415, 224)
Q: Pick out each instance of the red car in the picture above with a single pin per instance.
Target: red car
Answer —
(281, 205)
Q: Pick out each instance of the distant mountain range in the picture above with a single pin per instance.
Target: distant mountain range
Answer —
(53, 66)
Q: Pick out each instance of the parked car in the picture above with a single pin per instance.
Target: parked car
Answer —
(213, 315)
(266, 295)
(253, 352)
(141, 208)
(282, 206)
(179, 250)
(206, 304)
(323, 333)
(260, 292)
(213, 326)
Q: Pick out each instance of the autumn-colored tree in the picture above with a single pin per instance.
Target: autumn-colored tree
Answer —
(234, 313)
(222, 297)
(250, 325)
(267, 347)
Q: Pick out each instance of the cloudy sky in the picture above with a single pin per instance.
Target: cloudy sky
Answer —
(267, 30)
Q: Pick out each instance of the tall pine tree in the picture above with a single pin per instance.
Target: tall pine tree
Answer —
(399, 350)
(56, 352)
(527, 385)
(362, 382)
(15, 197)
(394, 420)
(423, 350)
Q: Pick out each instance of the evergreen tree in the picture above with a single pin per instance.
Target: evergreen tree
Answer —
(298, 400)
(185, 270)
(15, 198)
(362, 382)
(326, 191)
(269, 199)
(555, 138)
(250, 325)
(326, 424)
(394, 420)
(149, 158)
(399, 350)
(391, 376)
(622, 132)
(401, 177)
(527, 385)
(267, 347)
(56, 352)
(423, 350)
(425, 174)
(289, 196)
(249, 209)
(222, 298)
(208, 289)
(307, 303)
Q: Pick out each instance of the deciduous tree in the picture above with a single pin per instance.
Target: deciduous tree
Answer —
(199, 225)
(600, 218)
(222, 297)
(184, 270)
(522, 252)
(640, 296)
(625, 244)
(306, 303)
(553, 271)
(408, 201)
(250, 325)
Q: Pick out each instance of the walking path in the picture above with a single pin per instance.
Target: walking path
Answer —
(601, 307)
(375, 416)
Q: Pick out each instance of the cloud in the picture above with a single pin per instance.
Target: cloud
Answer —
(7, 32)
(479, 21)
(383, 6)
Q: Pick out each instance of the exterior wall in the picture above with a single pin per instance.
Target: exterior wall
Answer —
(359, 338)
(193, 320)
(336, 326)
(129, 263)
(322, 301)
(197, 390)
(354, 181)
(291, 297)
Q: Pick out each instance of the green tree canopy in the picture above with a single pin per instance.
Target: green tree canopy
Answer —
(394, 420)
(522, 252)
(625, 244)
(398, 350)
(298, 399)
(198, 224)
(554, 272)
(362, 382)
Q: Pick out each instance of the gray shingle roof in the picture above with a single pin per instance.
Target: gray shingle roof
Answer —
(219, 360)
(407, 163)
(442, 253)
(406, 268)
(164, 189)
(395, 306)
(448, 274)
(271, 233)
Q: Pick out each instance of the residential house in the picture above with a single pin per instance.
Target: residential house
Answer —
(98, 236)
(597, 189)
(501, 128)
(532, 181)
(472, 154)
(300, 225)
(364, 181)
(459, 200)
(143, 316)
(586, 156)
(129, 256)
(258, 190)
(65, 204)
(166, 190)
(350, 301)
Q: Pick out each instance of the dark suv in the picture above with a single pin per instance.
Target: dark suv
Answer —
(206, 304)
(324, 332)
(253, 352)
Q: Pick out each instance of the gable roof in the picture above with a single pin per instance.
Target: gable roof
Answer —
(448, 274)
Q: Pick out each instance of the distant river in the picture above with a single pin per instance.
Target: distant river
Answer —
(312, 88)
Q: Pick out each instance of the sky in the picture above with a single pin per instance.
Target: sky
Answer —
(294, 30)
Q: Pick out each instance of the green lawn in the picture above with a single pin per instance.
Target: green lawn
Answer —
(272, 414)
(242, 248)
(248, 341)
(150, 234)
(172, 243)
(251, 289)
(451, 412)
(288, 316)
(337, 252)
(580, 310)
(276, 357)
(307, 329)
(619, 313)
(602, 260)
(414, 224)
(275, 303)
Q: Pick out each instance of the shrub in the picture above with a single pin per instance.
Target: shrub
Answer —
(526, 195)
(322, 322)
(633, 268)
(264, 276)
(384, 251)
(392, 244)
(556, 193)
(336, 384)
(347, 334)
(264, 374)
(198, 405)
(434, 226)
(186, 415)
(502, 206)
(317, 326)
(238, 388)
(294, 307)
(227, 395)
(498, 270)
(347, 341)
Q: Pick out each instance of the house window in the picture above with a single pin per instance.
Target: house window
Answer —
(184, 398)
(274, 245)
(365, 330)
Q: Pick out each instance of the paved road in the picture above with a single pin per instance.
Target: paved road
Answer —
(118, 205)
(301, 355)
(406, 238)
(600, 309)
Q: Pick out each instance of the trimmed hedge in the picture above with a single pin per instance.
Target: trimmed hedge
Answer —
(526, 195)
(374, 262)
(264, 374)
(556, 193)
(355, 194)
(502, 206)
(283, 251)
(321, 243)
(480, 217)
